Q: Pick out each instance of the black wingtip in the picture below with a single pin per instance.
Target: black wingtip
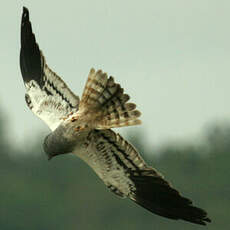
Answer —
(25, 16)
(25, 25)
(25, 9)
(157, 196)
(25, 13)
(31, 63)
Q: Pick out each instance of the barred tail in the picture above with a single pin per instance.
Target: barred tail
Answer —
(107, 101)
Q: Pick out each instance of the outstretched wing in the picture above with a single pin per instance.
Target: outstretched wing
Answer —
(47, 94)
(124, 172)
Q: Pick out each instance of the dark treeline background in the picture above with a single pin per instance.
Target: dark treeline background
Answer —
(66, 194)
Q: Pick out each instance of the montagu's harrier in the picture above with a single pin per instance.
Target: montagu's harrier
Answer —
(83, 127)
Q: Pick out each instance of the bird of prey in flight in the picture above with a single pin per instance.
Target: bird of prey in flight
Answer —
(83, 127)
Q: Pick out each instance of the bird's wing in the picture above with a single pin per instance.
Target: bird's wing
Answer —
(105, 103)
(124, 172)
(47, 94)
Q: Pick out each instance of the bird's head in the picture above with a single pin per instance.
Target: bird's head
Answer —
(55, 144)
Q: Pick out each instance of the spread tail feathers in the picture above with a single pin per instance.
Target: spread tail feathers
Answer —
(107, 101)
(155, 194)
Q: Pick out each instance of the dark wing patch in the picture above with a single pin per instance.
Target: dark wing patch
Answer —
(31, 63)
(158, 196)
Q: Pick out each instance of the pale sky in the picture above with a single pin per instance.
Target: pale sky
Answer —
(171, 56)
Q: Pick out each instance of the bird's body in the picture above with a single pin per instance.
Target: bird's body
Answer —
(84, 127)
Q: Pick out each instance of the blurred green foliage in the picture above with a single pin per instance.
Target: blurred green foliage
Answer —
(66, 194)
